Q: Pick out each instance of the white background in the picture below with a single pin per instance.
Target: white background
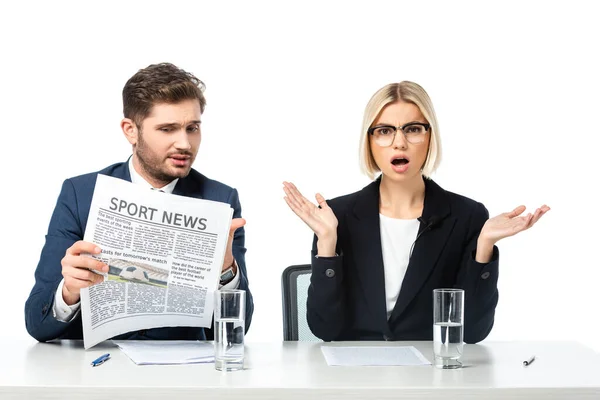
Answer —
(515, 86)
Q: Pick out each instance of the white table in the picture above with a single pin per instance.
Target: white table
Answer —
(297, 370)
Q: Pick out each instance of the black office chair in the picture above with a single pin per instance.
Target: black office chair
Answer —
(294, 290)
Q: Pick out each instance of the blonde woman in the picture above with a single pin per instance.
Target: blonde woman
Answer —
(378, 253)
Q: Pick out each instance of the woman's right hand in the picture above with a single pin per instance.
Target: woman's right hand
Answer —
(320, 219)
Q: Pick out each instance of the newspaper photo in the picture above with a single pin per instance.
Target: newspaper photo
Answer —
(164, 253)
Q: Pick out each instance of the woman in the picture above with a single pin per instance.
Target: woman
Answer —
(379, 253)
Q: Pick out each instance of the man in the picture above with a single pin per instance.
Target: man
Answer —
(162, 106)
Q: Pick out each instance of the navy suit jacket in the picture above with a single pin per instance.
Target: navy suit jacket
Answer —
(67, 226)
(346, 296)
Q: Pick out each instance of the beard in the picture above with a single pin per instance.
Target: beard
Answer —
(155, 166)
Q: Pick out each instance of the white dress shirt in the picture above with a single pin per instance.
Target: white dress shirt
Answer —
(397, 237)
(66, 313)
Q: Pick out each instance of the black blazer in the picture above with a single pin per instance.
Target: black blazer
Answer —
(346, 297)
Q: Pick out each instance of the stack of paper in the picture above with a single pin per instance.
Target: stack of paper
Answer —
(373, 355)
(167, 352)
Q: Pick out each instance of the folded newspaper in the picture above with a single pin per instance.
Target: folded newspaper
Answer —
(164, 253)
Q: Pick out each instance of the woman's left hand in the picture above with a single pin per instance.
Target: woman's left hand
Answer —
(509, 224)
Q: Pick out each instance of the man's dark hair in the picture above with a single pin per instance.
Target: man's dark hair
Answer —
(159, 83)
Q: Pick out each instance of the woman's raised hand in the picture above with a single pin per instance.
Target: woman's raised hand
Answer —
(320, 219)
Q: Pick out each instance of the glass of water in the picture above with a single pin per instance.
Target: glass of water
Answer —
(448, 310)
(230, 311)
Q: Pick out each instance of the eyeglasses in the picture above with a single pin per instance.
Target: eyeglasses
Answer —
(384, 135)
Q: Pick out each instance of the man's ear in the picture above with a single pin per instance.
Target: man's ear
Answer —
(130, 130)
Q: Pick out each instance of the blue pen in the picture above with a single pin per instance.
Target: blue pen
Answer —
(100, 360)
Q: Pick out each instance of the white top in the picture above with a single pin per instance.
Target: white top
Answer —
(297, 370)
(66, 313)
(397, 237)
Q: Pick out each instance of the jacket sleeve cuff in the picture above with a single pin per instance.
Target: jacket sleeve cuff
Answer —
(234, 283)
(327, 267)
(63, 312)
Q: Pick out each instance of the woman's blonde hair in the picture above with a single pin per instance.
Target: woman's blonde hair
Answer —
(409, 92)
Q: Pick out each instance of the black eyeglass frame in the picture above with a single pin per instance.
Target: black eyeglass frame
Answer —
(371, 130)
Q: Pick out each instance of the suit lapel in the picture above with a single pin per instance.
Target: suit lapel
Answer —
(428, 247)
(363, 225)
(122, 171)
(190, 187)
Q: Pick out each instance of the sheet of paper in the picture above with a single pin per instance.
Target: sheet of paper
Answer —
(373, 355)
(167, 352)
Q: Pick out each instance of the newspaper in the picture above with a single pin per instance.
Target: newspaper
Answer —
(164, 254)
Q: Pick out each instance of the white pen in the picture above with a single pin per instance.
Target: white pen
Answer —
(529, 361)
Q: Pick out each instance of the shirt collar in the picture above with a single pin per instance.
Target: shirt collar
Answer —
(139, 180)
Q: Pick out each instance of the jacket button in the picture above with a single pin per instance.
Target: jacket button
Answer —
(45, 308)
(329, 273)
(485, 275)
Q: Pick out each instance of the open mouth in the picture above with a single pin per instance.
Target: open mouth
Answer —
(399, 161)
(180, 160)
(180, 156)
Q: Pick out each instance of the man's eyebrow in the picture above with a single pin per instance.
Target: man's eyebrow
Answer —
(175, 124)
(167, 124)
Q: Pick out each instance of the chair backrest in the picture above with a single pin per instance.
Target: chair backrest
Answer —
(294, 290)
